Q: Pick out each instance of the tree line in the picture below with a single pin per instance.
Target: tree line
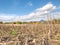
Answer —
(57, 21)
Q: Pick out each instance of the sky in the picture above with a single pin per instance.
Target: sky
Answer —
(29, 10)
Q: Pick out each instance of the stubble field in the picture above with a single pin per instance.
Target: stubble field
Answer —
(38, 34)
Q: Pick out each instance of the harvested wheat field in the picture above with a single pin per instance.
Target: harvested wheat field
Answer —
(29, 34)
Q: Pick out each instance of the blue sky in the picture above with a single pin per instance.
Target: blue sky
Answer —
(24, 7)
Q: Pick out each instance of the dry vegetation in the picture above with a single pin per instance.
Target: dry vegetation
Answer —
(30, 34)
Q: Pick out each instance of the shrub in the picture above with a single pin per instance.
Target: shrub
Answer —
(13, 32)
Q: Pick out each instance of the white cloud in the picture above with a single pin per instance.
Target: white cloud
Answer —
(40, 11)
(37, 15)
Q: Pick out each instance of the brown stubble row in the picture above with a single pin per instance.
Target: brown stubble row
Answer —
(37, 31)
